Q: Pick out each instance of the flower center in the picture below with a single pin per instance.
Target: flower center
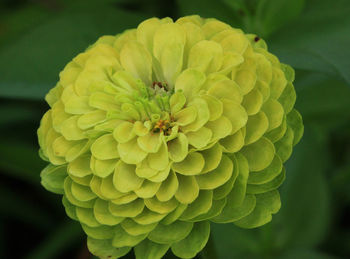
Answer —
(162, 126)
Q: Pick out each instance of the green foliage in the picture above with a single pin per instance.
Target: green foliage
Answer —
(36, 40)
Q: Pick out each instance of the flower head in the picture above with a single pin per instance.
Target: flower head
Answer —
(155, 132)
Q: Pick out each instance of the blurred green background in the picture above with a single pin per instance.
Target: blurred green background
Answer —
(38, 37)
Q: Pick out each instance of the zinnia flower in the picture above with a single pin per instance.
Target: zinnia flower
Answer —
(156, 132)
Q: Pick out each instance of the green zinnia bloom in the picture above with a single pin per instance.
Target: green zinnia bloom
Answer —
(154, 133)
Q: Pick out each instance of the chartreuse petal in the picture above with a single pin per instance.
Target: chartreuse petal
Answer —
(70, 130)
(216, 208)
(60, 146)
(103, 101)
(71, 198)
(215, 107)
(212, 158)
(81, 192)
(77, 105)
(200, 206)
(235, 113)
(145, 32)
(233, 213)
(52, 178)
(263, 68)
(238, 203)
(80, 167)
(102, 168)
(188, 189)
(126, 198)
(130, 152)
(226, 89)
(199, 138)
(295, 121)
(78, 149)
(220, 128)
(268, 186)
(202, 115)
(102, 214)
(223, 190)
(288, 97)
(135, 229)
(148, 217)
(148, 189)
(205, 56)
(124, 132)
(185, 116)
(131, 209)
(135, 59)
(252, 102)
(174, 215)
(213, 26)
(256, 127)
(284, 146)
(150, 250)
(177, 101)
(69, 208)
(125, 178)
(160, 160)
(161, 207)
(168, 187)
(178, 148)
(274, 112)
(190, 82)
(169, 50)
(151, 142)
(233, 143)
(266, 204)
(86, 216)
(122, 238)
(100, 232)
(246, 80)
(167, 234)
(277, 133)
(194, 242)
(235, 42)
(85, 180)
(144, 170)
(194, 34)
(268, 173)
(278, 83)
(217, 177)
(105, 147)
(259, 154)
(108, 190)
(192, 165)
(104, 249)
(161, 175)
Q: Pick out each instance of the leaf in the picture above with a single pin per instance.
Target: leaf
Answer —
(60, 240)
(305, 254)
(322, 101)
(304, 216)
(318, 40)
(209, 9)
(273, 14)
(31, 64)
(21, 161)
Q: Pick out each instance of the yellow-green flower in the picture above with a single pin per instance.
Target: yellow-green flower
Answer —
(155, 132)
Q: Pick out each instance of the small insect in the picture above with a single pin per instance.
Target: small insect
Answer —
(256, 39)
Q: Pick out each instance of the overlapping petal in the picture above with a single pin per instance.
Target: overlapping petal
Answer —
(157, 131)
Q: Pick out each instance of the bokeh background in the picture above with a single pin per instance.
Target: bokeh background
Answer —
(38, 37)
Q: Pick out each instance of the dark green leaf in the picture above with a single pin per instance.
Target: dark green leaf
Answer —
(30, 66)
(304, 217)
(318, 40)
(273, 14)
